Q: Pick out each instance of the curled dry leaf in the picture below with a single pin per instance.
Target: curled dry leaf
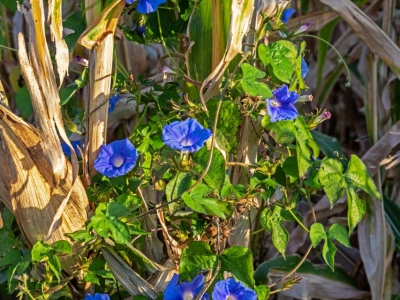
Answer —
(27, 185)
(56, 28)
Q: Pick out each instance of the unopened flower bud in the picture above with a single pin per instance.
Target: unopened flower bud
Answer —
(167, 71)
(305, 98)
(302, 28)
(326, 115)
(82, 61)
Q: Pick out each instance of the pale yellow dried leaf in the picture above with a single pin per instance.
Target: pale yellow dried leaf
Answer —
(34, 199)
(56, 29)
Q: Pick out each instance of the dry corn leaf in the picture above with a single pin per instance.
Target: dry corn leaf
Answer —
(103, 25)
(313, 286)
(129, 279)
(370, 33)
(56, 28)
(34, 198)
(241, 13)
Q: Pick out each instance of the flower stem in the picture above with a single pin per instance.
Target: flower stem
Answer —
(298, 221)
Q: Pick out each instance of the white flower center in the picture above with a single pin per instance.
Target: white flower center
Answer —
(188, 296)
(274, 103)
(186, 142)
(117, 161)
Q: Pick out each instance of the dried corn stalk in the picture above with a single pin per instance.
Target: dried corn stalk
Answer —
(99, 39)
(27, 186)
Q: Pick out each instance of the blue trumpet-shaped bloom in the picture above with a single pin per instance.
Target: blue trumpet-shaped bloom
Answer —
(232, 290)
(280, 107)
(97, 297)
(286, 14)
(147, 6)
(75, 145)
(116, 159)
(185, 290)
(187, 136)
(304, 68)
(112, 102)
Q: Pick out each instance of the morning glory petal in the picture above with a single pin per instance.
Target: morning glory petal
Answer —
(286, 14)
(304, 68)
(232, 289)
(148, 6)
(130, 1)
(97, 297)
(281, 106)
(116, 159)
(187, 135)
(184, 290)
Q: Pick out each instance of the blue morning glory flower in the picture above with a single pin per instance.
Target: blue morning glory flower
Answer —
(286, 14)
(97, 297)
(280, 107)
(75, 145)
(188, 135)
(112, 102)
(147, 6)
(304, 68)
(116, 159)
(185, 290)
(232, 290)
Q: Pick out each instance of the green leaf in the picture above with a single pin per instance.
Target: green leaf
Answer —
(129, 201)
(119, 230)
(250, 84)
(197, 201)
(11, 4)
(358, 175)
(62, 247)
(304, 142)
(283, 131)
(356, 208)
(215, 176)
(239, 261)
(54, 264)
(229, 121)
(40, 251)
(290, 167)
(24, 102)
(162, 162)
(76, 23)
(80, 236)
(328, 253)
(317, 234)
(70, 90)
(116, 210)
(195, 258)
(339, 233)
(6, 241)
(176, 187)
(12, 257)
(133, 184)
(331, 177)
(91, 277)
(263, 292)
(328, 144)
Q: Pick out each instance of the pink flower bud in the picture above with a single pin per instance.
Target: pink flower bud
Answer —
(82, 61)
(302, 28)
